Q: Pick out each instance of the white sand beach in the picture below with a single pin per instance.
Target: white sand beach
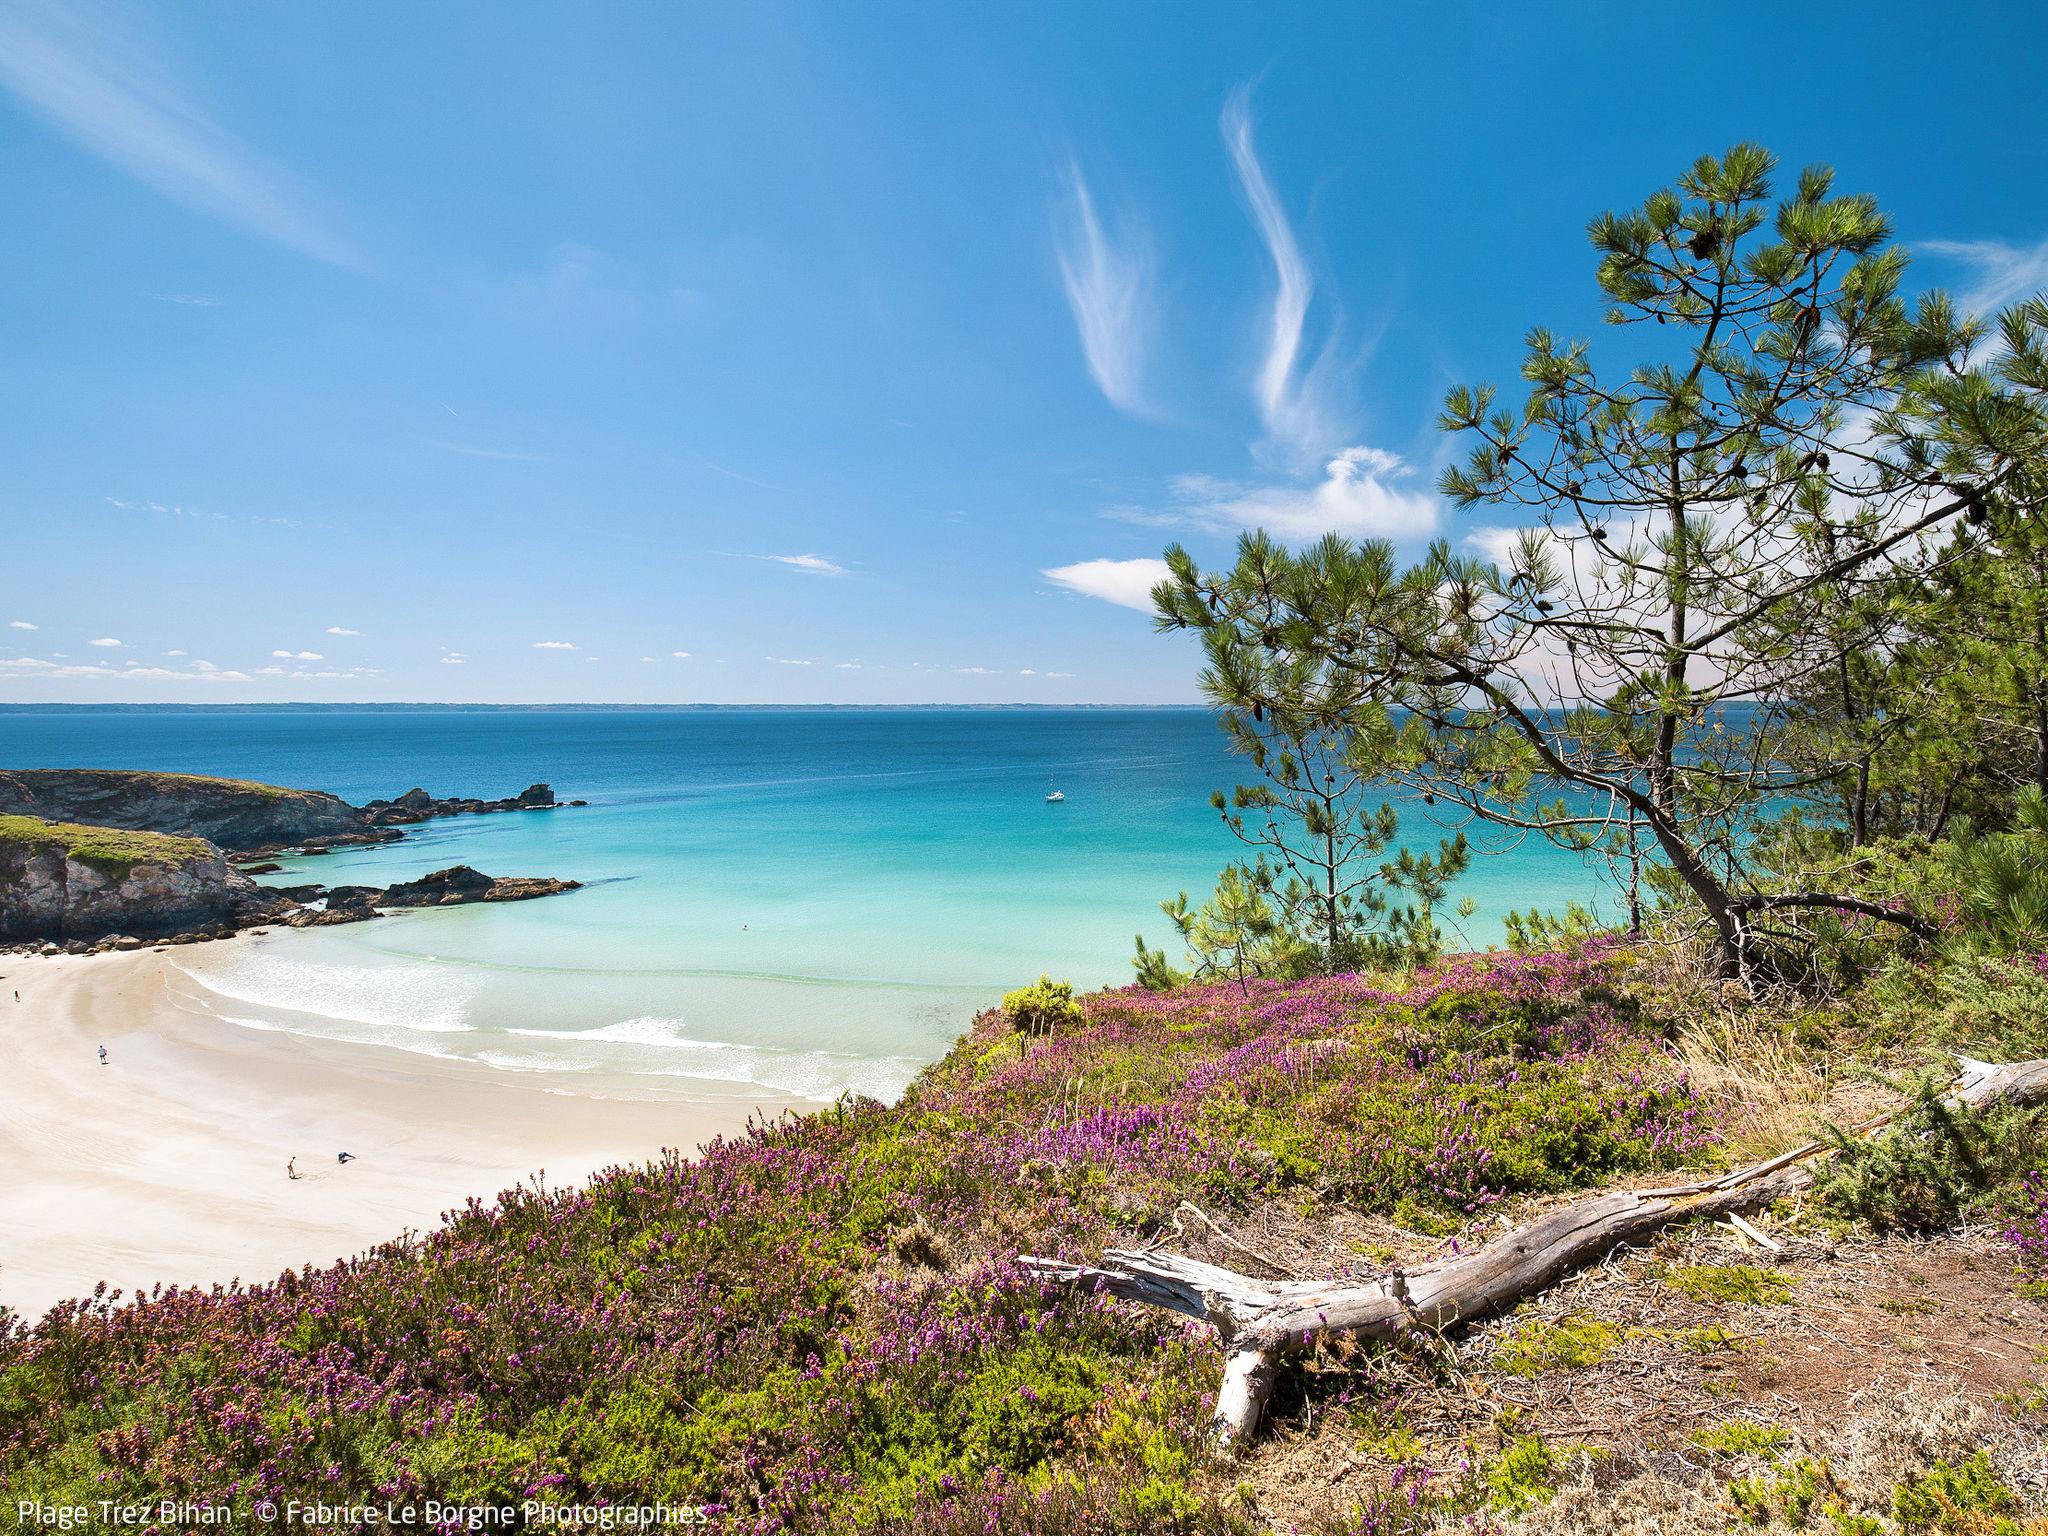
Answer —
(168, 1162)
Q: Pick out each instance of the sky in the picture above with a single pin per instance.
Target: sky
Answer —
(794, 353)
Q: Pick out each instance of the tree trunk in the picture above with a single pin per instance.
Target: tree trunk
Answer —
(1260, 1322)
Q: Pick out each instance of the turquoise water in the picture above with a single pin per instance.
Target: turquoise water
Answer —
(807, 901)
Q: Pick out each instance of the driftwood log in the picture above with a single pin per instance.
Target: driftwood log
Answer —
(1261, 1321)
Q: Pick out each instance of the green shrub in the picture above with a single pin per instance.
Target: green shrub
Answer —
(1741, 1284)
(1935, 1164)
(1537, 1346)
(1742, 1437)
(1043, 1006)
(1958, 1499)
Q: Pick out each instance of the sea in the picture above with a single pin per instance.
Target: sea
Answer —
(807, 902)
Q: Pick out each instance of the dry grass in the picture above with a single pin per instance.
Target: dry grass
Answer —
(1764, 1088)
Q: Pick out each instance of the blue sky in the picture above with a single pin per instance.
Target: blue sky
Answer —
(779, 353)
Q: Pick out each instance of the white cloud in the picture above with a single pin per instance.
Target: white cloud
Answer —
(789, 661)
(1127, 583)
(21, 624)
(1028, 672)
(455, 659)
(977, 671)
(174, 653)
(1360, 495)
(847, 666)
(554, 645)
(32, 666)
(111, 88)
(105, 642)
(336, 629)
(680, 655)
(816, 565)
(1290, 406)
(647, 658)
(1107, 290)
(2004, 273)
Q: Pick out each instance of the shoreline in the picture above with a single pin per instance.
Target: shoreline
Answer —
(168, 1163)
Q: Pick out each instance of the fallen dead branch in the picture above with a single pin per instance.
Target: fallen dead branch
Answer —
(1261, 1321)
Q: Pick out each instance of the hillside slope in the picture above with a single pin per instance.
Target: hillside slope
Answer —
(823, 1326)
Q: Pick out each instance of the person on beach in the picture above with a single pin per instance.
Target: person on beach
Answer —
(103, 1055)
(291, 1167)
(344, 1157)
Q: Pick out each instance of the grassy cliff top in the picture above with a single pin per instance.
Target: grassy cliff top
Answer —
(106, 849)
(143, 778)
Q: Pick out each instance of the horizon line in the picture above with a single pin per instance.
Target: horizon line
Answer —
(220, 706)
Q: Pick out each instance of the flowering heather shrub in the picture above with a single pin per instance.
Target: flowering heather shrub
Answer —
(2028, 1231)
(821, 1325)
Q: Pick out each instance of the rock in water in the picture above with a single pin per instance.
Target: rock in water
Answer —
(453, 887)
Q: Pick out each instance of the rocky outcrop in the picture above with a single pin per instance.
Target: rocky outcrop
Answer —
(242, 816)
(66, 882)
(416, 805)
(453, 887)
(105, 858)
(234, 814)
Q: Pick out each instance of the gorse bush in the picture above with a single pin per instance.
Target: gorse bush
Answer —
(1939, 1162)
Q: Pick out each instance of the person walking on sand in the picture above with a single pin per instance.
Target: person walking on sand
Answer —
(291, 1167)
(103, 1055)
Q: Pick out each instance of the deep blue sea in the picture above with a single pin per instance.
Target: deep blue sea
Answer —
(805, 900)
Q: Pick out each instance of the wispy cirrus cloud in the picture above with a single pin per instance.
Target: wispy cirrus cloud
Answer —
(554, 645)
(1127, 583)
(22, 624)
(814, 565)
(104, 80)
(338, 629)
(1108, 287)
(1291, 396)
(2002, 274)
(480, 451)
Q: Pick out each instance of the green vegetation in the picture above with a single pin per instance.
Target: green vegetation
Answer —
(1738, 593)
(1741, 1284)
(1966, 1499)
(1572, 1341)
(1043, 1006)
(1742, 1437)
(109, 851)
(1945, 1163)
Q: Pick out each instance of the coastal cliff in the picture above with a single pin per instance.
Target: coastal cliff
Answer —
(92, 856)
(65, 881)
(235, 814)
(239, 815)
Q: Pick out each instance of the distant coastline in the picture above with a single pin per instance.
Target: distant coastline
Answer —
(402, 708)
